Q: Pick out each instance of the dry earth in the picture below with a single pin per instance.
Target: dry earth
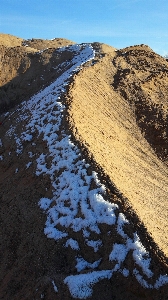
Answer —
(107, 124)
(117, 113)
(23, 63)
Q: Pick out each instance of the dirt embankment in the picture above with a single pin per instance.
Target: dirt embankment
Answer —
(107, 125)
(9, 40)
(141, 79)
(26, 66)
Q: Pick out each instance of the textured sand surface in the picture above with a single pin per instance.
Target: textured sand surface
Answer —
(104, 122)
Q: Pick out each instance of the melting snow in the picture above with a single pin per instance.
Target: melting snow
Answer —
(82, 264)
(73, 244)
(28, 164)
(80, 286)
(95, 244)
(54, 286)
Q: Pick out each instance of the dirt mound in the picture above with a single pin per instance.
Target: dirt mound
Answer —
(106, 123)
(142, 80)
(10, 40)
(42, 44)
(27, 66)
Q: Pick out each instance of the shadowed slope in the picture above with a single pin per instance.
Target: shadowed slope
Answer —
(26, 66)
(104, 122)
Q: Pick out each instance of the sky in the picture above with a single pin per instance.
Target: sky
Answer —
(119, 23)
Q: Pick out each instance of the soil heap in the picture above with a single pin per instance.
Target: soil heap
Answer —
(113, 110)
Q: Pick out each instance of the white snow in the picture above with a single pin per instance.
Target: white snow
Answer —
(125, 272)
(30, 154)
(73, 244)
(28, 164)
(26, 137)
(118, 253)
(19, 145)
(141, 280)
(94, 244)
(83, 264)
(138, 254)
(54, 286)
(75, 206)
(10, 131)
(45, 203)
(80, 286)
(162, 280)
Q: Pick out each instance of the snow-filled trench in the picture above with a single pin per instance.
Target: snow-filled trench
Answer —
(75, 204)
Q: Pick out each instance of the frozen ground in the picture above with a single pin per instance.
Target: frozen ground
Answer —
(78, 206)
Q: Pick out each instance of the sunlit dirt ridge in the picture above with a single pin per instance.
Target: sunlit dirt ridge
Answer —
(106, 123)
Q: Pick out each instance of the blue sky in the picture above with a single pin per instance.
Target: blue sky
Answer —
(119, 23)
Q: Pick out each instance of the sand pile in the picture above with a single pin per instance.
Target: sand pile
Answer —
(83, 177)
(107, 104)
(26, 66)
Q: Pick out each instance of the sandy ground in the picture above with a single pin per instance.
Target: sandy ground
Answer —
(10, 40)
(105, 123)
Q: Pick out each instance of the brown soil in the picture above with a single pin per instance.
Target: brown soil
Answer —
(31, 261)
(109, 132)
(25, 69)
(9, 40)
(142, 80)
(106, 123)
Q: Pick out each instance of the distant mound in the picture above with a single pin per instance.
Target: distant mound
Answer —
(10, 40)
(42, 44)
(27, 63)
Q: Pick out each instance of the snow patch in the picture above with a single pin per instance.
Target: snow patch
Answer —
(73, 244)
(54, 286)
(83, 264)
(80, 286)
(28, 164)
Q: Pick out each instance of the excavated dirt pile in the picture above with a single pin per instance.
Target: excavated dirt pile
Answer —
(84, 171)
(26, 66)
(114, 117)
(142, 79)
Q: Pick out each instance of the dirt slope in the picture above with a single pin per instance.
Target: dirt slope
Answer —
(106, 124)
(116, 127)
(27, 62)
(9, 40)
(142, 80)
